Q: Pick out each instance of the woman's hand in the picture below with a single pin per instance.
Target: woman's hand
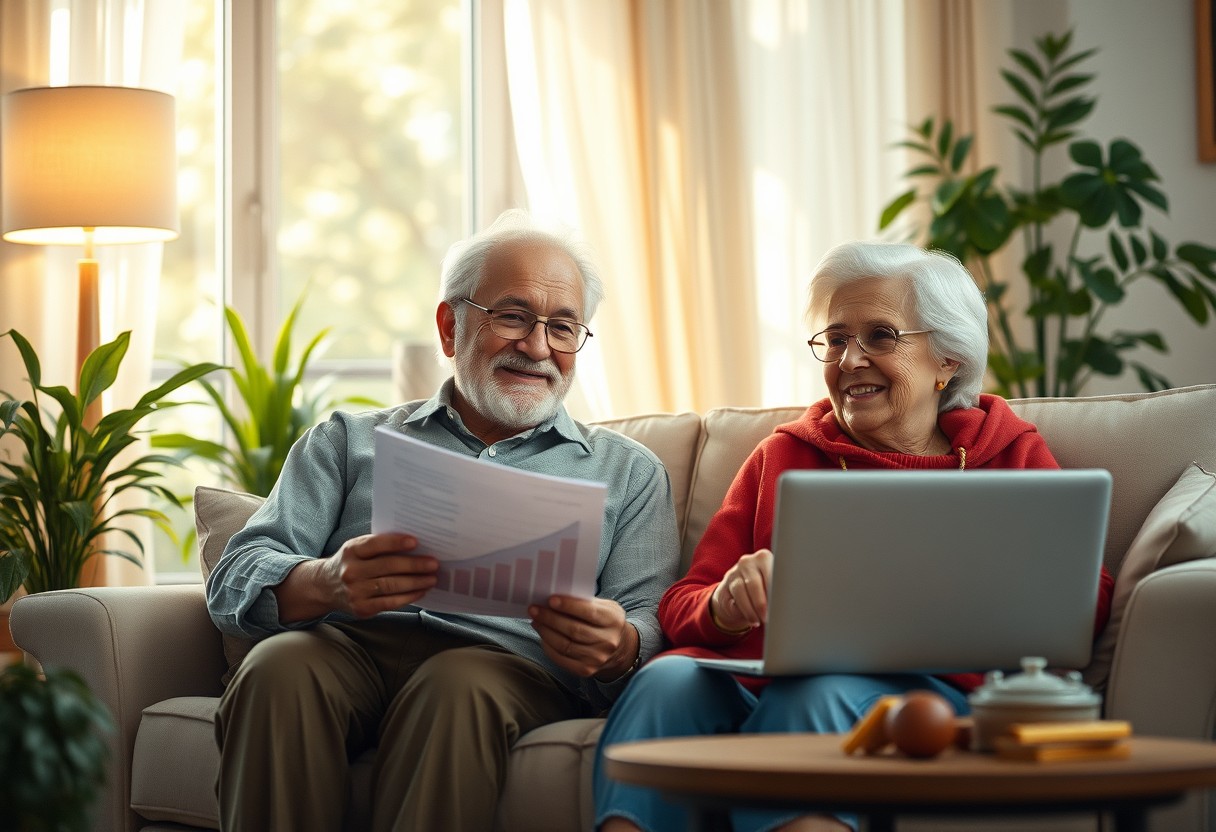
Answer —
(740, 600)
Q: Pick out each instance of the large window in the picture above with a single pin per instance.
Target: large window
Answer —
(322, 154)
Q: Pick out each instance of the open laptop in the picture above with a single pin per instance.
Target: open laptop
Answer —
(932, 571)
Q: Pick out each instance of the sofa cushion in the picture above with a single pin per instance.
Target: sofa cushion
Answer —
(728, 436)
(1143, 439)
(672, 437)
(1181, 527)
(554, 759)
(175, 762)
(218, 515)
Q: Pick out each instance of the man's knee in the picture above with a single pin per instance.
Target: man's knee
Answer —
(286, 656)
(464, 675)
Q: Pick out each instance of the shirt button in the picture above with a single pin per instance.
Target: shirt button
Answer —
(492, 451)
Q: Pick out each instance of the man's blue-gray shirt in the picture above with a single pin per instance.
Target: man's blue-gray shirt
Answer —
(324, 498)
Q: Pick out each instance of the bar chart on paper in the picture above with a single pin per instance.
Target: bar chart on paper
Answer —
(520, 574)
(505, 538)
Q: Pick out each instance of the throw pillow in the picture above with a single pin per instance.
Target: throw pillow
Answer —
(218, 515)
(1181, 527)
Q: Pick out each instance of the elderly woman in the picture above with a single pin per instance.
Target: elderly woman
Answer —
(902, 334)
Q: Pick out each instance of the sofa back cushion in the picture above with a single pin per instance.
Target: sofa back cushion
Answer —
(728, 436)
(673, 437)
(218, 515)
(1181, 527)
(1145, 440)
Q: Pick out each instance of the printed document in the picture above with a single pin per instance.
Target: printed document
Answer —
(505, 538)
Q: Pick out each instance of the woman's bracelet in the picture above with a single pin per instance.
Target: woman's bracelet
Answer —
(713, 616)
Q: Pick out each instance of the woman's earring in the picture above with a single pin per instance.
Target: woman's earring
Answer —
(941, 385)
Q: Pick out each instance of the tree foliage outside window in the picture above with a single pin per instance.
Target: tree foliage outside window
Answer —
(371, 175)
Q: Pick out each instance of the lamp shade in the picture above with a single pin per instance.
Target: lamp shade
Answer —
(101, 159)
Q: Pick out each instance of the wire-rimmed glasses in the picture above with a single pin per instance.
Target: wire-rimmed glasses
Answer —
(830, 345)
(563, 334)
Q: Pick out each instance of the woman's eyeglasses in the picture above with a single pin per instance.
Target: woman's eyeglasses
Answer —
(830, 345)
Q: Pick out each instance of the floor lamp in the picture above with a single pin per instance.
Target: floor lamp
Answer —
(86, 166)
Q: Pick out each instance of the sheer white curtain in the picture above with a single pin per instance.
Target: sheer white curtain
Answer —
(627, 120)
(825, 100)
(133, 43)
(642, 121)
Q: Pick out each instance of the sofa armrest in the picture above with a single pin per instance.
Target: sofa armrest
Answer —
(133, 646)
(1163, 678)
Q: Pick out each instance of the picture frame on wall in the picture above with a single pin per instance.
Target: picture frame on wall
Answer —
(1205, 77)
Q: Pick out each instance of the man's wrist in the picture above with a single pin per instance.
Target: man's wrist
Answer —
(637, 657)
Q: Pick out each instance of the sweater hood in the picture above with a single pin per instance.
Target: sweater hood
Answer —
(982, 432)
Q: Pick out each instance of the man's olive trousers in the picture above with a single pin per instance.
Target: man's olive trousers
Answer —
(442, 712)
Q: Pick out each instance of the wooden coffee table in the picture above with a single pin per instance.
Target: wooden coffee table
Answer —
(809, 772)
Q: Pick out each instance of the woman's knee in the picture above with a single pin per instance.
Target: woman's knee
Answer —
(673, 695)
(823, 703)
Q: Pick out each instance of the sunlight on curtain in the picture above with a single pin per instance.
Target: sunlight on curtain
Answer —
(627, 120)
(24, 282)
(134, 43)
(825, 100)
(714, 152)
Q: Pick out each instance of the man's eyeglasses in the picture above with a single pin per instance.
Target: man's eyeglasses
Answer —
(563, 334)
(830, 345)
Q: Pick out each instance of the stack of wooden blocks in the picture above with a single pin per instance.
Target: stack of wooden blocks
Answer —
(1102, 739)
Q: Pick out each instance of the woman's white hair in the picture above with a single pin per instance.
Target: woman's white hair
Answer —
(465, 261)
(944, 297)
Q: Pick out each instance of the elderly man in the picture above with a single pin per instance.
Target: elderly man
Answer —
(349, 663)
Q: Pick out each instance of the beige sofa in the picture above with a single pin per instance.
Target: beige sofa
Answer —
(154, 657)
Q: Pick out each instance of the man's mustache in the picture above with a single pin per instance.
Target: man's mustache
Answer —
(526, 365)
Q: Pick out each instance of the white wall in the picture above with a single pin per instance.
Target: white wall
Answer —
(1145, 83)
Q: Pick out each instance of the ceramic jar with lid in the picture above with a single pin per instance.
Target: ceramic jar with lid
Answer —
(1033, 695)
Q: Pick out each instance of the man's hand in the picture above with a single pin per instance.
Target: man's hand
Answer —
(369, 574)
(586, 636)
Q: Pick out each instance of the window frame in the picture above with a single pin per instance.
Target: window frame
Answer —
(247, 187)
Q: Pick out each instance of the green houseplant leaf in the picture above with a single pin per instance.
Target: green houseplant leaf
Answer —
(56, 496)
(53, 749)
(1109, 190)
(276, 404)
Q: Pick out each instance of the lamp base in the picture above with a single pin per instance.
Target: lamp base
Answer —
(88, 329)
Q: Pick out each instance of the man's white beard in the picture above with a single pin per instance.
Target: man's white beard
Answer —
(517, 407)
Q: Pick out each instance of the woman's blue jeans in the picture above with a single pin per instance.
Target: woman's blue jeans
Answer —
(674, 697)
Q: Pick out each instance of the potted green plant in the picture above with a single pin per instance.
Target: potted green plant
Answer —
(974, 215)
(53, 749)
(277, 406)
(56, 501)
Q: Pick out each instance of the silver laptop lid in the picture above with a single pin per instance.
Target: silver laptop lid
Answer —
(887, 571)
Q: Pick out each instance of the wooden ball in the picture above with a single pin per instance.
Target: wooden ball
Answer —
(923, 725)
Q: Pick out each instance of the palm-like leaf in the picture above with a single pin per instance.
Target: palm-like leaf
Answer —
(55, 500)
(277, 404)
